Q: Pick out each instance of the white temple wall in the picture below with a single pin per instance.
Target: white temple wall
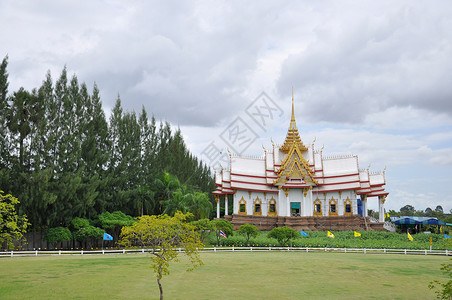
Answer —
(281, 203)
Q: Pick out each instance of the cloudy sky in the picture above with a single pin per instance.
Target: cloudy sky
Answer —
(371, 78)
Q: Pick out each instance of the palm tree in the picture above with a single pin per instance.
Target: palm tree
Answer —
(200, 205)
(164, 187)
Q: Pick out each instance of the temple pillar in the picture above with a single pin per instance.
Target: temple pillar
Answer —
(226, 205)
(288, 203)
(364, 203)
(381, 210)
(217, 199)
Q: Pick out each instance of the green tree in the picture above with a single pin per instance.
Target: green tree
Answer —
(204, 227)
(163, 234)
(84, 232)
(179, 200)
(12, 226)
(445, 289)
(4, 107)
(200, 205)
(248, 230)
(407, 210)
(57, 235)
(115, 221)
(222, 225)
(164, 187)
(283, 234)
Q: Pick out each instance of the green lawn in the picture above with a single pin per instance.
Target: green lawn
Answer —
(263, 275)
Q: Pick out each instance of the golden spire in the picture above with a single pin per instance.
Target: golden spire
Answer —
(292, 137)
(293, 124)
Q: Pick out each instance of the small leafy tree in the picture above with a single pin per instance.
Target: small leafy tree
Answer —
(203, 227)
(12, 226)
(58, 234)
(115, 221)
(83, 231)
(248, 230)
(222, 225)
(283, 234)
(163, 234)
(445, 291)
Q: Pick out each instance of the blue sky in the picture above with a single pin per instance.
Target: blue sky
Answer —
(370, 78)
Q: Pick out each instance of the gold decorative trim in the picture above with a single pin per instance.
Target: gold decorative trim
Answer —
(286, 192)
(217, 198)
(242, 202)
(333, 207)
(270, 203)
(257, 210)
(316, 212)
(348, 202)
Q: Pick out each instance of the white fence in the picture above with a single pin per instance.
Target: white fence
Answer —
(230, 249)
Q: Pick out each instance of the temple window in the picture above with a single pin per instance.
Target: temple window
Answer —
(333, 207)
(272, 207)
(257, 207)
(318, 208)
(348, 211)
(242, 207)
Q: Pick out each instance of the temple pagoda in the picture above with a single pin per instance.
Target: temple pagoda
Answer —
(294, 184)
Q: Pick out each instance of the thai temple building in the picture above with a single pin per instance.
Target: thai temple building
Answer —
(294, 184)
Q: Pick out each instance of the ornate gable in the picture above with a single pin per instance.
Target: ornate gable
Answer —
(294, 165)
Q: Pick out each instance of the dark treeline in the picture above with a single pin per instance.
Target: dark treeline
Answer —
(63, 159)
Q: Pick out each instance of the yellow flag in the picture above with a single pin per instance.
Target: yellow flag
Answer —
(410, 237)
(441, 229)
(357, 234)
(330, 235)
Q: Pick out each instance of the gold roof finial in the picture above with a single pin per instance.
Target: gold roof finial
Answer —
(293, 137)
(292, 119)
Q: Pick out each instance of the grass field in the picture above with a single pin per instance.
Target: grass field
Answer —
(265, 275)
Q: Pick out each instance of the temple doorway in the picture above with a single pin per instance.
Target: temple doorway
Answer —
(295, 209)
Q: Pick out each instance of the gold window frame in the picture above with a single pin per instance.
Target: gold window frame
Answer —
(257, 202)
(242, 202)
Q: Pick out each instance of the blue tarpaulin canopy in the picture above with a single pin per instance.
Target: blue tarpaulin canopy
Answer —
(416, 220)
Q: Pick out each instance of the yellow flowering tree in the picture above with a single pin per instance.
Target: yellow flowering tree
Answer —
(163, 236)
(12, 226)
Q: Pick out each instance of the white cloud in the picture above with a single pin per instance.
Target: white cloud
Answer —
(371, 78)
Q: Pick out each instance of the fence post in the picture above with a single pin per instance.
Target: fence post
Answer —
(103, 251)
(12, 254)
(81, 252)
(59, 252)
(214, 249)
(123, 251)
(232, 248)
(364, 251)
(405, 251)
(307, 249)
(36, 252)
